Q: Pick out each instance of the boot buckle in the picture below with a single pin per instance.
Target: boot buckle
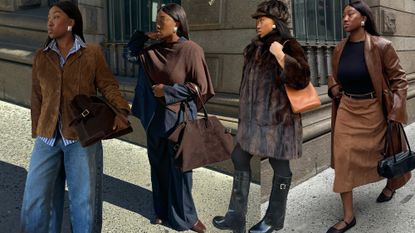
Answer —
(283, 186)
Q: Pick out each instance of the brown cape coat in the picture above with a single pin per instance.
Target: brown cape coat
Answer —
(178, 62)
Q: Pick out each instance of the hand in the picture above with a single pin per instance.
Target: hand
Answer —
(276, 50)
(158, 90)
(336, 92)
(153, 35)
(119, 121)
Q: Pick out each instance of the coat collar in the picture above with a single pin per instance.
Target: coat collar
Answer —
(74, 53)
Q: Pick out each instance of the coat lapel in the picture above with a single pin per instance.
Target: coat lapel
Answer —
(336, 57)
(373, 63)
(74, 57)
(54, 60)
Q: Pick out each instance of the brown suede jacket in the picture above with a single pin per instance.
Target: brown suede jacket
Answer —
(53, 88)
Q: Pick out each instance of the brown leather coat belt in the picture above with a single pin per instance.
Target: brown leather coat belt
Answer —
(370, 95)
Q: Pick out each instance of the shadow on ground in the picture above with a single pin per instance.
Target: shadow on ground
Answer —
(117, 192)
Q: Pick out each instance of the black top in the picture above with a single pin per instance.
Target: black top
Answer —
(353, 74)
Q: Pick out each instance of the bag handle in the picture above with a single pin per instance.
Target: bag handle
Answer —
(388, 139)
(196, 89)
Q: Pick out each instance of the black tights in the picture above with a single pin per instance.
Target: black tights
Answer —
(241, 162)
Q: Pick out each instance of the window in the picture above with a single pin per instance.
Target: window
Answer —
(126, 16)
(318, 21)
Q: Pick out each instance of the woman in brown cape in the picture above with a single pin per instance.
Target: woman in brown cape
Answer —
(168, 70)
(359, 122)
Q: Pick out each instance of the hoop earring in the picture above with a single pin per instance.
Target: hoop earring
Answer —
(69, 28)
(362, 23)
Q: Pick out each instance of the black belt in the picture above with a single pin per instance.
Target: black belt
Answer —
(370, 95)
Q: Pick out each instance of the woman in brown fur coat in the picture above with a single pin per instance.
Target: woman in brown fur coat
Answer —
(267, 125)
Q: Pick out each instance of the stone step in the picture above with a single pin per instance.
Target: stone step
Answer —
(24, 27)
(18, 53)
(22, 36)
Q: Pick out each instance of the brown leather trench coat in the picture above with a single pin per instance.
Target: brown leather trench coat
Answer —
(53, 87)
(382, 62)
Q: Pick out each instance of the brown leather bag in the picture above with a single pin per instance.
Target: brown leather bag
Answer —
(304, 99)
(200, 142)
(94, 119)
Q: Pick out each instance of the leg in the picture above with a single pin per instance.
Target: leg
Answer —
(159, 176)
(348, 220)
(83, 167)
(182, 213)
(392, 185)
(235, 218)
(42, 180)
(275, 215)
(58, 201)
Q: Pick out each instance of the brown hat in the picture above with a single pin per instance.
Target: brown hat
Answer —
(274, 9)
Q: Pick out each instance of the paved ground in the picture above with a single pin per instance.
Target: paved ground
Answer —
(313, 207)
(127, 187)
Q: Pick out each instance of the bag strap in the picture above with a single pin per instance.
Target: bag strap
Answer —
(196, 88)
(388, 138)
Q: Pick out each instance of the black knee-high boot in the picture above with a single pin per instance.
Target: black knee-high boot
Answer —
(235, 218)
(275, 215)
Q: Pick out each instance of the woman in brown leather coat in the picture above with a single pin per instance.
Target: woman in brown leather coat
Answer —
(359, 122)
(267, 125)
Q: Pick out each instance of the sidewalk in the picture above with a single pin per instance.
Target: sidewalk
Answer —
(312, 206)
(127, 186)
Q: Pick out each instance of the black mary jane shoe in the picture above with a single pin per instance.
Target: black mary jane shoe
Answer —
(344, 229)
(383, 198)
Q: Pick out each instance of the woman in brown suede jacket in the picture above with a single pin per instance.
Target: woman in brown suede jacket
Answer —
(64, 68)
(359, 119)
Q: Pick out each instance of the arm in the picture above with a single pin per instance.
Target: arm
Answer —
(107, 84)
(397, 82)
(178, 92)
(291, 57)
(36, 99)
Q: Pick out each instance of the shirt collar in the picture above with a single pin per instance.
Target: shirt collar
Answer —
(78, 43)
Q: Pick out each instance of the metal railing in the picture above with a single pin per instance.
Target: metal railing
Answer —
(318, 26)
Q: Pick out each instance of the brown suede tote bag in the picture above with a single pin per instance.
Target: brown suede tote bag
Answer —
(200, 142)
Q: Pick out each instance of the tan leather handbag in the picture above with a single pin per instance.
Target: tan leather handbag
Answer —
(304, 99)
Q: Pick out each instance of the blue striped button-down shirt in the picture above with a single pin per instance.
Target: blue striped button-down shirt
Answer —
(78, 44)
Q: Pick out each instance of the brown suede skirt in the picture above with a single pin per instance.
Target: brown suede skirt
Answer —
(358, 142)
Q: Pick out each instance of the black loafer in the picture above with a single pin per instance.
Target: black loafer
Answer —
(383, 198)
(157, 221)
(344, 229)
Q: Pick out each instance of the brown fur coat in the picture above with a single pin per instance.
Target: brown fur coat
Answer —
(267, 125)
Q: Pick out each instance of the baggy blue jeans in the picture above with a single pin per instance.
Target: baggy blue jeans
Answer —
(43, 199)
